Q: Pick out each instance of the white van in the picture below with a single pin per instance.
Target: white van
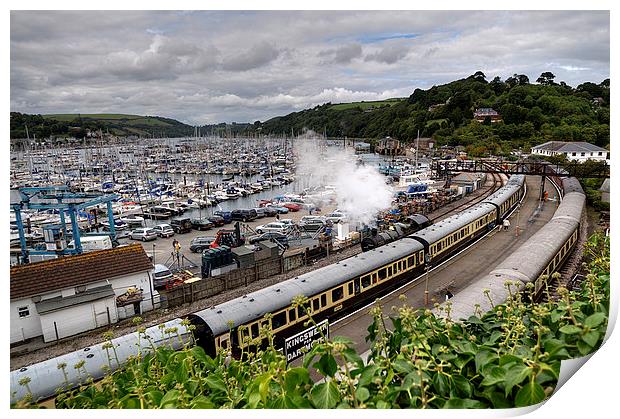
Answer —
(92, 243)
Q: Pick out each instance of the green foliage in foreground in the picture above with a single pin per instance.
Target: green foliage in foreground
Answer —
(507, 357)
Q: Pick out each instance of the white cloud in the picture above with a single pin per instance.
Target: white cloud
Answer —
(216, 66)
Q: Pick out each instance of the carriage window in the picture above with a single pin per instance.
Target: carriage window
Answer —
(366, 281)
(337, 294)
(324, 300)
(315, 304)
(356, 281)
(224, 343)
(350, 288)
(382, 274)
(301, 311)
(389, 271)
(278, 320)
(254, 330)
(411, 261)
(292, 315)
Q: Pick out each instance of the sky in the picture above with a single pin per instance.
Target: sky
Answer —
(222, 66)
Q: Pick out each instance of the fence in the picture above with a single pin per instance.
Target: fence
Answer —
(267, 265)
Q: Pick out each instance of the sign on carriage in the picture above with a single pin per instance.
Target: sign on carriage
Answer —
(294, 346)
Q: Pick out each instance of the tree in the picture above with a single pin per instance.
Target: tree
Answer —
(546, 78)
(479, 75)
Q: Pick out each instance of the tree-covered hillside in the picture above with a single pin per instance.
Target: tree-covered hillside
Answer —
(532, 113)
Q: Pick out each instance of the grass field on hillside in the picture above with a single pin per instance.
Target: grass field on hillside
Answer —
(365, 105)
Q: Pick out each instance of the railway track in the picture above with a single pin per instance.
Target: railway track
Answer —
(497, 183)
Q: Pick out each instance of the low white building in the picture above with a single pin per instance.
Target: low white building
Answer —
(69, 295)
(578, 151)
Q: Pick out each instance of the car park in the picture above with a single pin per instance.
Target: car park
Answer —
(161, 276)
(312, 223)
(199, 244)
(279, 227)
(164, 230)
(143, 233)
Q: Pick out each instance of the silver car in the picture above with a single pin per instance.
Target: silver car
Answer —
(144, 234)
(164, 230)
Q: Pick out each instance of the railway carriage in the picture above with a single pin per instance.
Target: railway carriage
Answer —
(540, 256)
(332, 291)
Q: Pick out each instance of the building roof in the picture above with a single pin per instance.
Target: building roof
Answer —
(71, 271)
(568, 147)
(87, 296)
(485, 112)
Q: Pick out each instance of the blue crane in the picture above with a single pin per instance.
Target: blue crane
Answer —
(63, 199)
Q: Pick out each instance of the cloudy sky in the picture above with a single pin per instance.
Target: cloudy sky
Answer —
(218, 66)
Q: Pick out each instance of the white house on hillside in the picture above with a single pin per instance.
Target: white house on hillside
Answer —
(69, 295)
(579, 151)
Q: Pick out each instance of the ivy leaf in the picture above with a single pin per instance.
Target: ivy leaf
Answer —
(570, 329)
(493, 375)
(441, 383)
(515, 375)
(295, 377)
(584, 348)
(462, 386)
(591, 338)
(169, 401)
(325, 395)
(594, 320)
(351, 356)
(455, 403)
(529, 394)
(402, 366)
(483, 358)
(326, 365)
(201, 402)
(367, 374)
(362, 394)
(215, 382)
(181, 373)
(382, 404)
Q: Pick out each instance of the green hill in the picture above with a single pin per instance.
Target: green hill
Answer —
(77, 125)
(531, 113)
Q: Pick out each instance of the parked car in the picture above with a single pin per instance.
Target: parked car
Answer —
(164, 230)
(312, 223)
(201, 224)
(260, 212)
(279, 227)
(270, 211)
(161, 276)
(336, 217)
(226, 215)
(181, 225)
(143, 233)
(244, 215)
(272, 236)
(199, 244)
(281, 210)
(292, 206)
(217, 220)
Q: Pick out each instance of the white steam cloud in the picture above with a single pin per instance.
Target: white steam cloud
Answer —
(359, 191)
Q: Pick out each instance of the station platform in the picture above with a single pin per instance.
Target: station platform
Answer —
(458, 272)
